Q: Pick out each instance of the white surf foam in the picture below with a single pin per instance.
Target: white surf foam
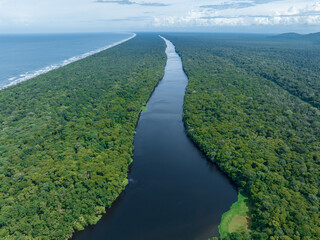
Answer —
(27, 75)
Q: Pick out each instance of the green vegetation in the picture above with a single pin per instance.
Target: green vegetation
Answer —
(66, 139)
(235, 220)
(312, 37)
(259, 131)
(295, 69)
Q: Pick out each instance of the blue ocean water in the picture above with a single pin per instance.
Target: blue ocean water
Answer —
(25, 56)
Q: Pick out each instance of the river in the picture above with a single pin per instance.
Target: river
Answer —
(174, 192)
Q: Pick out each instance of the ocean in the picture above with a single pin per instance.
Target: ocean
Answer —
(24, 56)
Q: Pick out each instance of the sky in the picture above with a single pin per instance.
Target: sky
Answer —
(251, 16)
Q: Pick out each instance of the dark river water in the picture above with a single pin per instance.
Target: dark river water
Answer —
(174, 192)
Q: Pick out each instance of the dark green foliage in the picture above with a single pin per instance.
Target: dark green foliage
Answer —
(265, 138)
(66, 139)
(312, 37)
(295, 68)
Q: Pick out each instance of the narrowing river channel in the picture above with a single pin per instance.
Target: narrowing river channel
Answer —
(174, 192)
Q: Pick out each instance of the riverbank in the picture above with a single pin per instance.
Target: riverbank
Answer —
(236, 219)
(76, 125)
(173, 192)
(254, 129)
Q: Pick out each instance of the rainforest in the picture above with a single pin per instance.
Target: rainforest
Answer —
(251, 108)
(66, 139)
(252, 105)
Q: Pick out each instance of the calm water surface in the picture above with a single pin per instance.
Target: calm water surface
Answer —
(174, 192)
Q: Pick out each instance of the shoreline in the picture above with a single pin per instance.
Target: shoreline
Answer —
(28, 76)
(121, 205)
(101, 215)
(206, 156)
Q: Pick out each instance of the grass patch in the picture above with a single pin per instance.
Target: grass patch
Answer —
(144, 108)
(235, 220)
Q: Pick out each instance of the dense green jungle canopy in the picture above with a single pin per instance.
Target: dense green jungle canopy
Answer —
(66, 139)
(252, 105)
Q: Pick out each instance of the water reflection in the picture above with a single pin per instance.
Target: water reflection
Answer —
(174, 192)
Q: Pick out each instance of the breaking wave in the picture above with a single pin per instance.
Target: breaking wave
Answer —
(29, 75)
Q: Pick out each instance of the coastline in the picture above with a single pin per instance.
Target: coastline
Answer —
(121, 207)
(28, 76)
(102, 214)
(128, 59)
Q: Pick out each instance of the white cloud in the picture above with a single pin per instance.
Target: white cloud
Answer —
(133, 15)
(287, 13)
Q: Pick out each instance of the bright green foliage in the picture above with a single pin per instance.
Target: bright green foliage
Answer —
(266, 139)
(235, 220)
(66, 139)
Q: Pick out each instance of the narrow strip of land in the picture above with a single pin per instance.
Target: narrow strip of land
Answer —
(66, 139)
(174, 192)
